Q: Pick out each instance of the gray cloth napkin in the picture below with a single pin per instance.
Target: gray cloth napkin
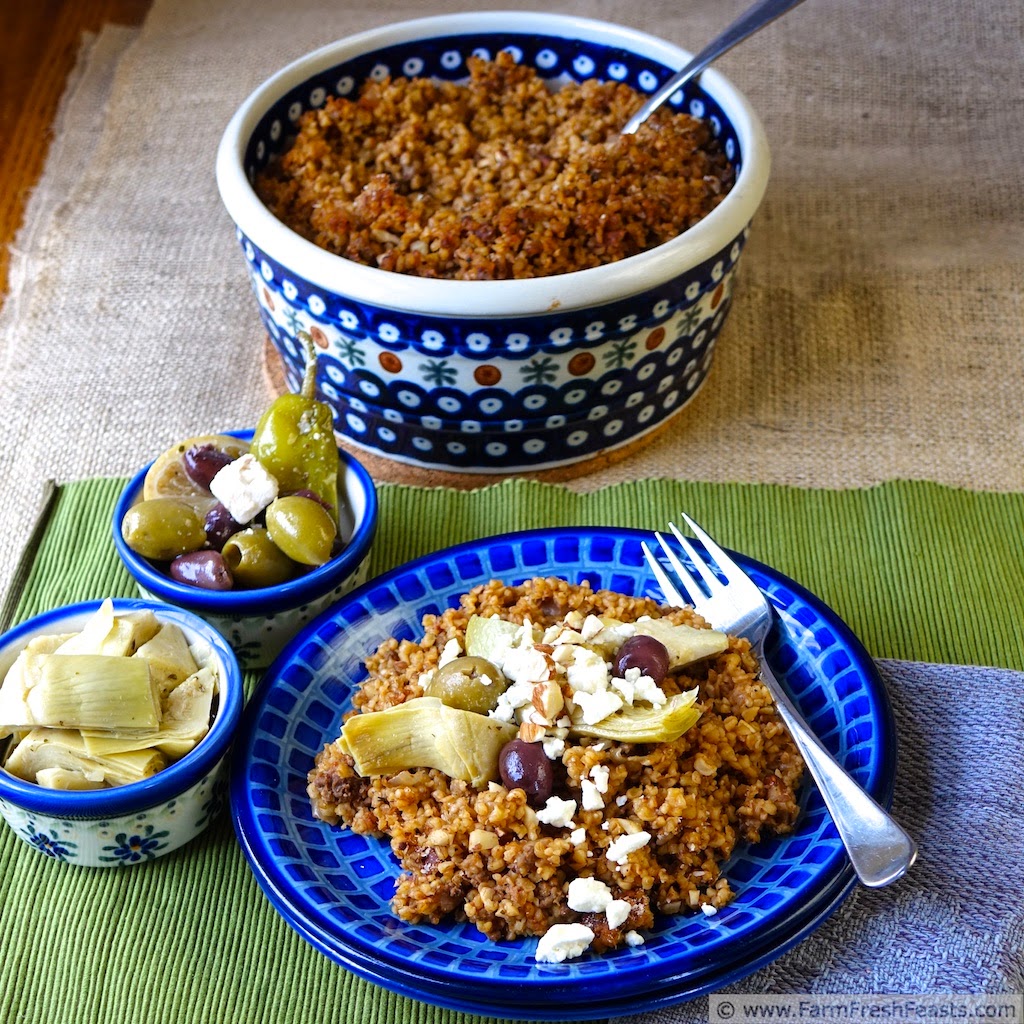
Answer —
(955, 923)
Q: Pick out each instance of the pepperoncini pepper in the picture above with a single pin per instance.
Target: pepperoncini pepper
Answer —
(294, 440)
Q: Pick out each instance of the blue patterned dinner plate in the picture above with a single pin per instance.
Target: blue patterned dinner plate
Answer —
(335, 887)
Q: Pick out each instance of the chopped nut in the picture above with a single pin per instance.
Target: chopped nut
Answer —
(531, 732)
(547, 699)
(481, 839)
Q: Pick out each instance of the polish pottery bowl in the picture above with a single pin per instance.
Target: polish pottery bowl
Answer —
(142, 820)
(495, 376)
(259, 622)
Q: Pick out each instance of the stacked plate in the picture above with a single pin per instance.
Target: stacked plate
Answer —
(335, 887)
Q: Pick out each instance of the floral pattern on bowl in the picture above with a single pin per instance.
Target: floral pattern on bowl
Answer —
(258, 637)
(578, 385)
(123, 840)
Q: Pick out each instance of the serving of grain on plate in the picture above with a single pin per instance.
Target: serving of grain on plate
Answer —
(621, 830)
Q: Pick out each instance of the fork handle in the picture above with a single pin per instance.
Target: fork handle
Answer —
(878, 847)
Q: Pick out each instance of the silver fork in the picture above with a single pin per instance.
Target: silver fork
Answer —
(878, 847)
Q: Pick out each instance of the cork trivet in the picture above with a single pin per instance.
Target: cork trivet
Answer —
(390, 471)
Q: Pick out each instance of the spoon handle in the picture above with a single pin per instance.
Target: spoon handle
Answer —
(762, 13)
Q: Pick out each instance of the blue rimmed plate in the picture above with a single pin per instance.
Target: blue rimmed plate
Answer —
(335, 887)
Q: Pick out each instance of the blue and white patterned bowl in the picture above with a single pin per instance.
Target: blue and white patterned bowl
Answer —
(139, 822)
(258, 623)
(432, 372)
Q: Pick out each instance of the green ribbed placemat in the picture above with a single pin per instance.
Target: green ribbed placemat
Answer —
(900, 562)
(918, 571)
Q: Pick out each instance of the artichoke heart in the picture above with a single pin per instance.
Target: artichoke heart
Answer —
(644, 724)
(169, 657)
(98, 691)
(44, 749)
(425, 733)
(685, 644)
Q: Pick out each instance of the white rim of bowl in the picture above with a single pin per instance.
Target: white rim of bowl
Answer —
(533, 296)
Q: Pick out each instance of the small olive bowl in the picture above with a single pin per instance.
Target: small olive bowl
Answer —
(259, 622)
(140, 821)
(508, 375)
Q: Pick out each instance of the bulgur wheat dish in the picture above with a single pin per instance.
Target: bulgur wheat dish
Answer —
(554, 761)
(498, 178)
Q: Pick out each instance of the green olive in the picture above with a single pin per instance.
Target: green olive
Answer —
(255, 560)
(470, 684)
(163, 528)
(302, 528)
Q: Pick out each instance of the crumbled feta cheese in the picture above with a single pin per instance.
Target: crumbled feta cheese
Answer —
(526, 665)
(518, 695)
(451, 651)
(620, 849)
(599, 773)
(709, 910)
(563, 942)
(588, 895)
(502, 711)
(645, 688)
(588, 672)
(597, 706)
(524, 635)
(562, 655)
(634, 939)
(625, 688)
(577, 836)
(620, 801)
(554, 747)
(557, 812)
(244, 488)
(592, 799)
(617, 911)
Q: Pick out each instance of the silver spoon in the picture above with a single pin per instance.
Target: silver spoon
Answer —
(745, 25)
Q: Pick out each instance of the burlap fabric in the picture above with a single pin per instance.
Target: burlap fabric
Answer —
(877, 328)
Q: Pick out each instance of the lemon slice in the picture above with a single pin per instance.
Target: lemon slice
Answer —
(168, 478)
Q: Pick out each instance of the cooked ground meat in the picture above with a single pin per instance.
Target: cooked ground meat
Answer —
(495, 179)
(733, 776)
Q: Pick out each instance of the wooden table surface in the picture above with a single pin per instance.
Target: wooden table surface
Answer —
(41, 43)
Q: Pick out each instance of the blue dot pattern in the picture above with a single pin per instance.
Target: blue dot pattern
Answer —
(499, 394)
(335, 887)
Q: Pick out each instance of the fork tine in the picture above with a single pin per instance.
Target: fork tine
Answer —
(668, 589)
(725, 563)
(688, 580)
(711, 581)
